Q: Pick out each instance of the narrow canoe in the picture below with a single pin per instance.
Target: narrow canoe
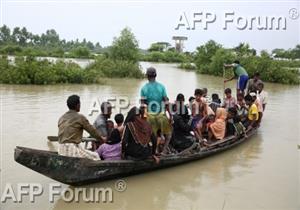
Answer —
(80, 171)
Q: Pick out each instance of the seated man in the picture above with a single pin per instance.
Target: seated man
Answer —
(119, 119)
(101, 122)
(70, 130)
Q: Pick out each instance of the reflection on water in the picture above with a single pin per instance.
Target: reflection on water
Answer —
(262, 173)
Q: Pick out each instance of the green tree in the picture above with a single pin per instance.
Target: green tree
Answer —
(159, 46)
(204, 55)
(4, 34)
(244, 50)
(125, 47)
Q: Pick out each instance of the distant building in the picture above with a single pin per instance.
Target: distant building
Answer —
(179, 42)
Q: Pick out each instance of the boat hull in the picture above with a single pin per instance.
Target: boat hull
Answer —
(80, 171)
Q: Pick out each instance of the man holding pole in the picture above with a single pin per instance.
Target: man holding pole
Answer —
(241, 74)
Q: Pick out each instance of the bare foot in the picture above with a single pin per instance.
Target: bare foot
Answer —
(156, 159)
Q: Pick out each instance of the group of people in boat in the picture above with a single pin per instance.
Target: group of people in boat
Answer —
(158, 127)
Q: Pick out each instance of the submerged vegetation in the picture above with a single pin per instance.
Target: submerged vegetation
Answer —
(30, 70)
(210, 57)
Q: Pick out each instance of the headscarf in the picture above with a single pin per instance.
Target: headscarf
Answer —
(218, 127)
(140, 129)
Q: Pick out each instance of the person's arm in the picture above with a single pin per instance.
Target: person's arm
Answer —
(143, 99)
(125, 141)
(227, 80)
(92, 130)
(228, 65)
(164, 94)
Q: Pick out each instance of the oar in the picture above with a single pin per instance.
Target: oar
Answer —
(223, 81)
(84, 139)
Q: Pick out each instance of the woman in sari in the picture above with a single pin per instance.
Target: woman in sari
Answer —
(138, 140)
(218, 127)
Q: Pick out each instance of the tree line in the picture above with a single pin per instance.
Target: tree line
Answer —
(20, 41)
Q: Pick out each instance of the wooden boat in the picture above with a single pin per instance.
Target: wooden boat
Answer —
(80, 171)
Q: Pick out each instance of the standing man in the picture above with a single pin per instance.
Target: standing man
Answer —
(70, 130)
(241, 74)
(153, 94)
(253, 83)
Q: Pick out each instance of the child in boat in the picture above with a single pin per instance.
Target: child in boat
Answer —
(199, 112)
(205, 97)
(112, 149)
(190, 104)
(233, 124)
(215, 103)
(119, 119)
(252, 118)
(242, 111)
(259, 105)
(229, 100)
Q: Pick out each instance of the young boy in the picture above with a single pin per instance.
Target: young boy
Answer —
(259, 105)
(229, 100)
(205, 97)
(242, 111)
(252, 113)
(199, 112)
(215, 103)
(119, 119)
(234, 125)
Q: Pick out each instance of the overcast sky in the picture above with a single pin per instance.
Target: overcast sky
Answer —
(152, 21)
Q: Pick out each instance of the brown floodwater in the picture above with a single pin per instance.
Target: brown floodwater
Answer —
(262, 173)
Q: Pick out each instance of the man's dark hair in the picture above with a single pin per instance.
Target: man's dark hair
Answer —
(105, 106)
(180, 97)
(73, 101)
(236, 61)
(256, 74)
(198, 92)
(248, 98)
(227, 90)
(119, 118)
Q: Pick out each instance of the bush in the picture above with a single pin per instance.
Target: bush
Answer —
(188, 66)
(105, 67)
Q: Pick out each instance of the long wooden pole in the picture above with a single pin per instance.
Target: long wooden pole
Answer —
(223, 81)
